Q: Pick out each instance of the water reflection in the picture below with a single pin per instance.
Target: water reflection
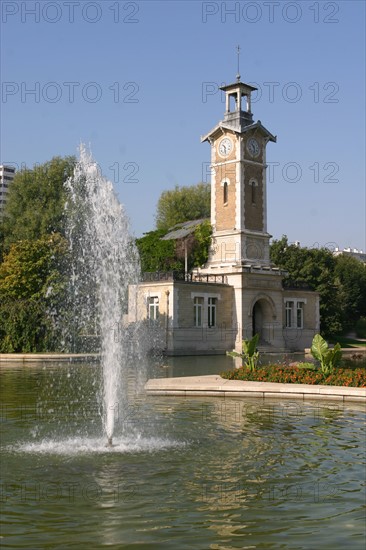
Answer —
(185, 472)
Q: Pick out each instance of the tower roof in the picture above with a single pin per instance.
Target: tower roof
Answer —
(236, 85)
(257, 126)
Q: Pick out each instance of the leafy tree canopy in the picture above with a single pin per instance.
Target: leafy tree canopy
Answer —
(182, 204)
(340, 281)
(157, 255)
(350, 277)
(35, 202)
(31, 291)
(33, 268)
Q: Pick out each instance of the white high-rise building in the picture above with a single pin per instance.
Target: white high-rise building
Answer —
(6, 177)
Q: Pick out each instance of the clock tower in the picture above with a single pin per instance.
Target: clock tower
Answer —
(238, 292)
(240, 241)
(238, 183)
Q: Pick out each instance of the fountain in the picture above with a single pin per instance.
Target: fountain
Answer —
(199, 472)
(104, 262)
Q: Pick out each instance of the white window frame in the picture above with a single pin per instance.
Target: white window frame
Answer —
(206, 297)
(300, 309)
(153, 308)
(211, 312)
(198, 303)
(292, 319)
(289, 313)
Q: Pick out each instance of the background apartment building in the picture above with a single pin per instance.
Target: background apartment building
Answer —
(6, 177)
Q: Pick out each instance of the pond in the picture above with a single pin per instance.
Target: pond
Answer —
(183, 473)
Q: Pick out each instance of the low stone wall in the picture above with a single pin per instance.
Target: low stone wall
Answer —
(6, 358)
(215, 386)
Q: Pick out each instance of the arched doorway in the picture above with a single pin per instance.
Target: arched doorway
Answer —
(262, 320)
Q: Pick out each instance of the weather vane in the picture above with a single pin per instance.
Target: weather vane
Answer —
(238, 52)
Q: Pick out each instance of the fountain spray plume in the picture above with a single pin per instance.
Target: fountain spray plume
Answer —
(104, 263)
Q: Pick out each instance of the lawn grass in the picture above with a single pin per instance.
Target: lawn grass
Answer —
(348, 342)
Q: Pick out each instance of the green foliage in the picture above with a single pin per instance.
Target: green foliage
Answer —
(35, 203)
(32, 286)
(328, 358)
(250, 354)
(361, 328)
(183, 204)
(24, 326)
(158, 255)
(305, 365)
(202, 237)
(340, 281)
(350, 277)
(34, 256)
(31, 268)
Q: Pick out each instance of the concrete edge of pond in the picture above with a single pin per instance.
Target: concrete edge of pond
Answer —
(6, 358)
(215, 386)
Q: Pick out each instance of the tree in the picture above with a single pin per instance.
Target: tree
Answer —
(182, 204)
(35, 202)
(32, 286)
(316, 268)
(350, 276)
(159, 255)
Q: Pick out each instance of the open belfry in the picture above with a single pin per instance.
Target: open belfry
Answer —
(238, 292)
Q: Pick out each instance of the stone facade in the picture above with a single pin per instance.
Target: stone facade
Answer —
(182, 329)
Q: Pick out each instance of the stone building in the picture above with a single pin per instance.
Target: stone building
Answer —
(238, 292)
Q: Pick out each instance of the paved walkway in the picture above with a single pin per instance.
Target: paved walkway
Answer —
(215, 386)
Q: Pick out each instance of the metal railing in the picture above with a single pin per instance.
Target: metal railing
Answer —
(161, 276)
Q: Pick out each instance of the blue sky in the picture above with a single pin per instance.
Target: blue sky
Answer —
(138, 81)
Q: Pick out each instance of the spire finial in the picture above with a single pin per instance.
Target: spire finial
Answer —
(238, 54)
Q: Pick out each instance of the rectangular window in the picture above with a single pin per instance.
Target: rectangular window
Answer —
(153, 308)
(299, 314)
(289, 314)
(197, 309)
(212, 312)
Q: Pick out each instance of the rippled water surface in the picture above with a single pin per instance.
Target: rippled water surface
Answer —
(183, 473)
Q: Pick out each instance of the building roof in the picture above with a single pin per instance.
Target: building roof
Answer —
(236, 85)
(181, 230)
(226, 126)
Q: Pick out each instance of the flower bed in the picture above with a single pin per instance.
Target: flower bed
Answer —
(355, 377)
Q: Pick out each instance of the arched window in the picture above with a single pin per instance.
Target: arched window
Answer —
(253, 190)
(225, 192)
(253, 193)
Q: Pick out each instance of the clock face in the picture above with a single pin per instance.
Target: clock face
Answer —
(225, 147)
(253, 147)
